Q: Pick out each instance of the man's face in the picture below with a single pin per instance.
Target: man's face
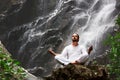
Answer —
(75, 38)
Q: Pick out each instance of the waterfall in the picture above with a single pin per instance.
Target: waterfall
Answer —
(98, 23)
(53, 26)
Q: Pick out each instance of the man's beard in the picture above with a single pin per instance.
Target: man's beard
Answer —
(75, 40)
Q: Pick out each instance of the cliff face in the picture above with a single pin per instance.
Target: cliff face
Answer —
(8, 7)
(118, 5)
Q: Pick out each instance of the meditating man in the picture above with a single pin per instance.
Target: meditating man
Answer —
(73, 53)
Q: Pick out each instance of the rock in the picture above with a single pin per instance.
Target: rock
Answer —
(4, 50)
(29, 76)
(79, 72)
(118, 4)
(36, 71)
(8, 7)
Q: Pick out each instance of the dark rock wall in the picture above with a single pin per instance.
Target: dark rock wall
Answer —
(118, 5)
(8, 8)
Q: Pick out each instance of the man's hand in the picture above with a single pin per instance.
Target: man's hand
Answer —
(75, 62)
(90, 49)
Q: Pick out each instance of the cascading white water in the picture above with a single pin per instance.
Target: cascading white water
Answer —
(98, 23)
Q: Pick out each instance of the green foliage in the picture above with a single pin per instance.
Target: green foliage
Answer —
(9, 68)
(114, 43)
(118, 20)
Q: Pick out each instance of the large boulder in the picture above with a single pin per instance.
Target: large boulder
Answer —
(79, 72)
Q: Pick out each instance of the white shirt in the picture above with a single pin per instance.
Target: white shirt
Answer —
(72, 53)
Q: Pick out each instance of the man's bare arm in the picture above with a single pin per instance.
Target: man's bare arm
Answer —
(52, 52)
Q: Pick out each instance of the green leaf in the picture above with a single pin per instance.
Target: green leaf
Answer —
(114, 54)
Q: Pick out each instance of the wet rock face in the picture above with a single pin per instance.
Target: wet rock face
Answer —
(79, 72)
(8, 7)
(118, 4)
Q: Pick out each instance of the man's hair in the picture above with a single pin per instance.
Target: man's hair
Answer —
(76, 34)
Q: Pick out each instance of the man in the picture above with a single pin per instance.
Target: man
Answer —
(73, 53)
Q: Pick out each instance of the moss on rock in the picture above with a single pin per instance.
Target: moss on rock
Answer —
(79, 72)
